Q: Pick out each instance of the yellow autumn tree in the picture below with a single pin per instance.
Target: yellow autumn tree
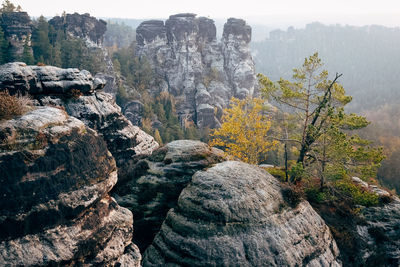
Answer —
(244, 131)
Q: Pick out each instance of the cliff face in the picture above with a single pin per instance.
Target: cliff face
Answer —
(91, 30)
(154, 185)
(81, 26)
(77, 92)
(17, 27)
(200, 72)
(55, 209)
(56, 171)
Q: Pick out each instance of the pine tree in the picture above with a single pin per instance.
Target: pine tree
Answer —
(157, 137)
(27, 56)
(3, 47)
(323, 132)
(40, 42)
(7, 6)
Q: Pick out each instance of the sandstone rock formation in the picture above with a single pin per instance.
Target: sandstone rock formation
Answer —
(91, 30)
(378, 230)
(17, 77)
(379, 235)
(234, 214)
(99, 112)
(153, 187)
(76, 91)
(17, 27)
(82, 26)
(54, 204)
(201, 73)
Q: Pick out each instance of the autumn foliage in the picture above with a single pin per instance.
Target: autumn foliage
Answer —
(244, 131)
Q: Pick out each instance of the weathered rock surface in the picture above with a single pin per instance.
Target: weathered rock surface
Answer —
(76, 91)
(379, 235)
(17, 27)
(133, 111)
(54, 204)
(99, 112)
(18, 77)
(82, 26)
(153, 187)
(234, 214)
(199, 72)
(92, 31)
(378, 230)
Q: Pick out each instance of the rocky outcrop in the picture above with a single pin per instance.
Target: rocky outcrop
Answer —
(379, 234)
(378, 230)
(54, 204)
(99, 112)
(199, 72)
(153, 187)
(133, 111)
(82, 26)
(91, 30)
(77, 93)
(17, 77)
(234, 214)
(17, 27)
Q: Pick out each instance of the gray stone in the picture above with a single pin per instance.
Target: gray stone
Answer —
(99, 112)
(378, 230)
(199, 72)
(54, 204)
(133, 111)
(17, 27)
(18, 77)
(234, 214)
(155, 182)
(82, 26)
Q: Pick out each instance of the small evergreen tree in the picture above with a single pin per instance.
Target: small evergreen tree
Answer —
(27, 56)
(325, 144)
(40, 42)
(3, 47)
(7, 6)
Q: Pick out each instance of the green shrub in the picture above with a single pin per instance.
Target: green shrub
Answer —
(277, 173)
(315, 195)
(359, 195)
(297, 173)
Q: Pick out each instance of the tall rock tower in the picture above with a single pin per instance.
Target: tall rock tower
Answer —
(200, 72)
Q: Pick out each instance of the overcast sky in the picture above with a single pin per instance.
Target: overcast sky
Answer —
(358, 12)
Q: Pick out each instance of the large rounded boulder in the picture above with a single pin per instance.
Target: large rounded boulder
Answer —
(235, 214)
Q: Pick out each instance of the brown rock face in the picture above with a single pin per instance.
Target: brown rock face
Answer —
(54, 205)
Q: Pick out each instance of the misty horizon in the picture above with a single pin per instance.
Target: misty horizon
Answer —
(280, 14)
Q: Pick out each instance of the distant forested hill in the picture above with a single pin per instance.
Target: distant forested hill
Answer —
(368, 57)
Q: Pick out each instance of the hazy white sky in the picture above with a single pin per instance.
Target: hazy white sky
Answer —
(385, 12)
